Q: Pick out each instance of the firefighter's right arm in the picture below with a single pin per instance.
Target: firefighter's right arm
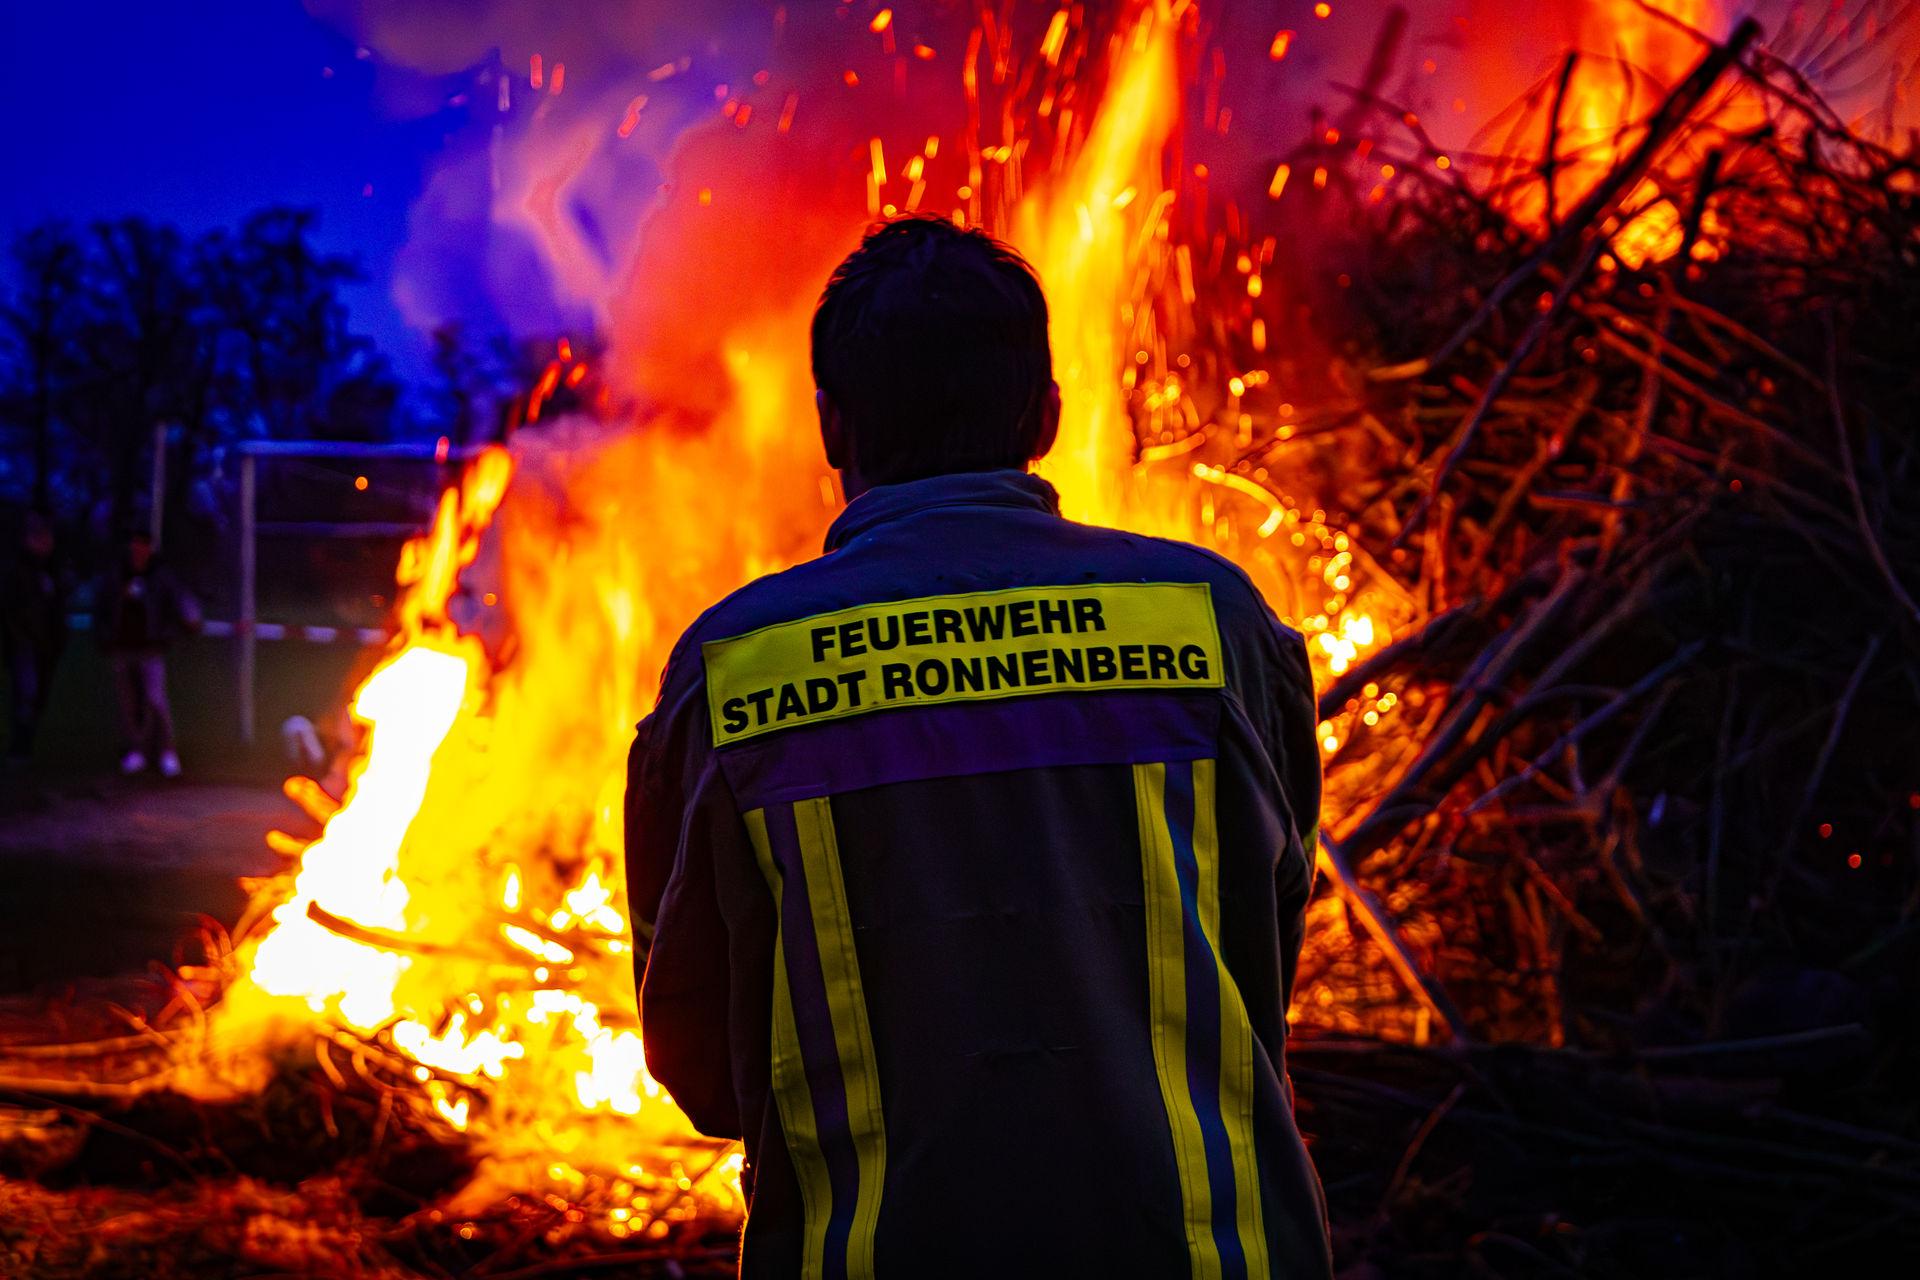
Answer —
(676, 915)
(684, 998)
(1296, 754)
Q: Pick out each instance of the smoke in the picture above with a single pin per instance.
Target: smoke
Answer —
(564, 120)
(651, 169)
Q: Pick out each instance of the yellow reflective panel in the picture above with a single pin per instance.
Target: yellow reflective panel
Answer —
(790, 1092)
(1167, 1007)
(963, 648)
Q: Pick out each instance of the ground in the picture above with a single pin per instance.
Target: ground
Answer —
(100, 875)
(104, 875)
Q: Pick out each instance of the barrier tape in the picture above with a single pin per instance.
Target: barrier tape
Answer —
(272, 631)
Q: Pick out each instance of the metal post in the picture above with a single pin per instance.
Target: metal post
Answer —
(244, 630)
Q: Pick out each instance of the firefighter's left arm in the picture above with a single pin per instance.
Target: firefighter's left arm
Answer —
(1298, 759)
(1283, 709)
(676, 912)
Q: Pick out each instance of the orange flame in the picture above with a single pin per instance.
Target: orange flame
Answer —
(1631, 54)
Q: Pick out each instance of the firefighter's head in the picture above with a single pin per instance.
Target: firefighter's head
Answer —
(930, 355)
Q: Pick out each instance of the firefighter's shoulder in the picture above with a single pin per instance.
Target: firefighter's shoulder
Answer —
(812, 586)
(1139, 557)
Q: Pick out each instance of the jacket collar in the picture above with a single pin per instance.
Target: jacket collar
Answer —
(887, 502)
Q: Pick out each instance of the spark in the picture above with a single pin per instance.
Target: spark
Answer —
(631, 119)
(1055, 39)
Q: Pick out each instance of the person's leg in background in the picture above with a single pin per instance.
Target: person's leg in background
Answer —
(128, 681)
(153, 679)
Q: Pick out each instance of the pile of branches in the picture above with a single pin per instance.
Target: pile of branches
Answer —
(1651, 803)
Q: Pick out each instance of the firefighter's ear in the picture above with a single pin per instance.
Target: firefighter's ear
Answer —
(1049, 422)
(833, 431)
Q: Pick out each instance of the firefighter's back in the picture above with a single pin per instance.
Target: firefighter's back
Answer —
(974, 854)
(1012, 784)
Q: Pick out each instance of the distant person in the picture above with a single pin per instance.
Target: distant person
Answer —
(143, 610)
(33, 624)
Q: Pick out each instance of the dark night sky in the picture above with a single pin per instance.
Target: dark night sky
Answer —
(195, 112)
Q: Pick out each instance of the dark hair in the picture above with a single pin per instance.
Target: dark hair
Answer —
(932, 343)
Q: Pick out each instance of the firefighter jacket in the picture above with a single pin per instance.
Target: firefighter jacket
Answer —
(975, 855)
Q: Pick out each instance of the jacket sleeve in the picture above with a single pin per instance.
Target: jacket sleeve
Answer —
(1296, 745)
(652, 821)
(1281, 704)
(684, 989)
(1295, 751)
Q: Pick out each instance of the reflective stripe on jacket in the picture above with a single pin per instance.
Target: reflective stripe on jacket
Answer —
(977, 853)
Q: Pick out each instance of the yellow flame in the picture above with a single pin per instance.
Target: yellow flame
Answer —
(353, 870)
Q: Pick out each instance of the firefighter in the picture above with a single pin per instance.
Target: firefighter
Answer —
(975, 853)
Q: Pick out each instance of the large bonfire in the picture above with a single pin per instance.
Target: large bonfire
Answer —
(464, 907)
(1508, 476)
